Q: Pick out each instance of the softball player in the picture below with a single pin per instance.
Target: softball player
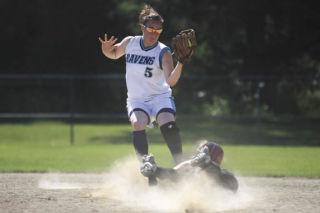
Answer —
(150, 74)
(208, 159)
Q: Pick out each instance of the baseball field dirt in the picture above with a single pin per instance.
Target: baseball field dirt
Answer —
(123, 190)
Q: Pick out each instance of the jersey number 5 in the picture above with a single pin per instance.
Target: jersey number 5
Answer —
(148, 72)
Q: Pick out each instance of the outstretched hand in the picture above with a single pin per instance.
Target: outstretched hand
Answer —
(108, 45)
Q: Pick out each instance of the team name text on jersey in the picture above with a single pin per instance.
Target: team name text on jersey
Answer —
(139, 59)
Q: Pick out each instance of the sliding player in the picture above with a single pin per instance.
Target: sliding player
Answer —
(207, 159)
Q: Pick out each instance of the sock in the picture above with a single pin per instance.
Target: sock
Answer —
(140, 142)
(170, 133)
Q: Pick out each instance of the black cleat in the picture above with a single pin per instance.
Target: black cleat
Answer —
(148, 169)
(149, 166)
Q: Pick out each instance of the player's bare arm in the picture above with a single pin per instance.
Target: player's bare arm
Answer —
(112, 50)
(171, 73)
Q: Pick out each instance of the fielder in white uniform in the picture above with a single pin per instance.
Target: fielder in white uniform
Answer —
(150, 74)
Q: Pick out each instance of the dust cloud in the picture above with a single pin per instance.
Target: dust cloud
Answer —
(59, 181)
(195, 194)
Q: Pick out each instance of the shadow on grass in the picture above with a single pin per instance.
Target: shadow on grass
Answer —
(248, 131)
(125, 137)
(224, 130)
(232, 130)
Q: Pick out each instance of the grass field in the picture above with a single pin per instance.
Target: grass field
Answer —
(44, 146)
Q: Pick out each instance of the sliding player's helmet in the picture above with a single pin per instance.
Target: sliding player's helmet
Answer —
(215, 151)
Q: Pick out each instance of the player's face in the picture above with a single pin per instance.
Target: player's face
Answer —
(151, 32)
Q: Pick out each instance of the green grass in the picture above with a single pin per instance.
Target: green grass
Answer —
(273, 160)
(44, 146)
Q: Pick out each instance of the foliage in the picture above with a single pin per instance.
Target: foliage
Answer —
(248, 41)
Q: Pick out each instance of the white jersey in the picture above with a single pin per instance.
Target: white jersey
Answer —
(144, 75)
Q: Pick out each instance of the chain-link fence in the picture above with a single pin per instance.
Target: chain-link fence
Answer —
(96, 97)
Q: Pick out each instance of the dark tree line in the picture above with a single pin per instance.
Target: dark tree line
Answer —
(276, 43)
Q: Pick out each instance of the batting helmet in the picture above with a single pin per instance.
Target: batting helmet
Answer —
(215, 151)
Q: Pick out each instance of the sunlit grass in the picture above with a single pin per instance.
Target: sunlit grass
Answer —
(45, 146)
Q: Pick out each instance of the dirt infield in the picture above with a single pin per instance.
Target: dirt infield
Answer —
(86, 192)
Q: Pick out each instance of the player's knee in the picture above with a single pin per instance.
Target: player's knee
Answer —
(164, 118)
(171, 134)
(138, 125)
(169, 128)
